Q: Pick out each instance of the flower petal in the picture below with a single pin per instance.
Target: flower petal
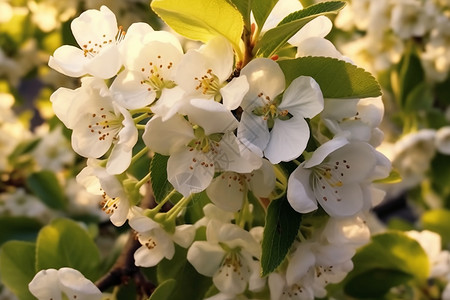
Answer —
(299, 192)
(68, 60)
(205, 257)
(303, 98)
(288, 139)
(190, 171)
(45, 285)
(253, 132)
(234, 92)
(76, 286)
(169, 136)
(227, 191)
(129, 92)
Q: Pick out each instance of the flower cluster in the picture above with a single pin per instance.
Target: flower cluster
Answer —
(389, 26)
(233, 130)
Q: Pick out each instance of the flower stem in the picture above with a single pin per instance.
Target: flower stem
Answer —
(158, 207)
(141, 110)
(139, 155)
(174, 212)
(143, 181)
(141, 117)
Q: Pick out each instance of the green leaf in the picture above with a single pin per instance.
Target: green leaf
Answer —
(64, 243)
(410, 73)
(202, 20)
(437, 220)
(189, 283)
(244, 7)
(419, 98)
(277, 37)
(375, 283)
(280, 231)
(164, 290)
(261, 10)
(17, 260)
(336, 78)
(23, 148)
(160, 185)
(194, 211)
(392, 252)
(18, 228)
(45, 185)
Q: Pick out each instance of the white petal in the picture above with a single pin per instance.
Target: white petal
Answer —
(169, 103)
(105, 64)
(190, 171)
(169, 136)
(264, 76)
(300, 262)
(234, 92)
(253, 132)
(64, 103)
(443, 140)
(45, 285)
(348, 200)
(227, 191)
(94, 26)
(184, 235)
(303, 98)
(325, 149)
(129, 92)
(219, 53)
(143, 223)
(358, 158)
(262, 181)
(318, 46)
(205, 257)
(288, 139)
(212, 116)
(156, 245)
(232, 278)
(318, 27)
(68, 60)
(120, 213)
(76, 286)
(299, 192)
(277, 284)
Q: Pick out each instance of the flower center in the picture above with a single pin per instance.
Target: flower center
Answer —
(327, 178)
(105, 124)
(209, 85)
(92, 48)
(269, 111)
(153, 75)
(109, 205)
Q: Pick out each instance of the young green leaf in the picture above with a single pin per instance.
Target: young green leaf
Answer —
(163, 291)
(280, 231)
(44, 184)
(244, 7)
(437, 220)
(202, 20)
(336, 78)
(261, 10)
(391, 252)
(277, 37)
(160, 185)
(64, 243)
(17, 260)
(18, 228)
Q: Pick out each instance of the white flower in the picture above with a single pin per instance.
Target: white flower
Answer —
(443, 140)
(229, 189)
(65, 283)
(203, 73)
(116, 201)
(149, 62)
(409, 19)
(97, 122)
(156, 242)
(227, 256)
(97, 34)
(199, 147)
(281, 290)
(277, 128)
(335, 177)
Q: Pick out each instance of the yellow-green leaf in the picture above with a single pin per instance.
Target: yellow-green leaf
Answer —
(202, 20)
